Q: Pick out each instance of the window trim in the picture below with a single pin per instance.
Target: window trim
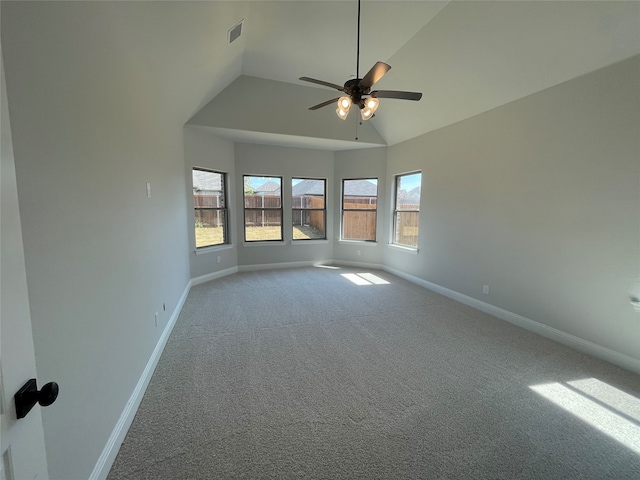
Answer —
(323, 209)
(342, 210)
(225, 210)
(244, 211)
(214, 248)
(396, 210)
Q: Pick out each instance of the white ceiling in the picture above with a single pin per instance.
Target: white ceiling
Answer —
(466, 57)
(287, 40)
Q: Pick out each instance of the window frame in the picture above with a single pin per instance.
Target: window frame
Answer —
(224, 209)
(245, 209)
(323, 209)
(396, 210)
(343, 210)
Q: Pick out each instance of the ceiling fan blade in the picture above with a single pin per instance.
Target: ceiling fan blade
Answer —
(322, 82)
(396, 94)
(375, 74)
(324, 104)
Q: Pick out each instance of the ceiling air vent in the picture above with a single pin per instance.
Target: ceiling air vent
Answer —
(235, 32)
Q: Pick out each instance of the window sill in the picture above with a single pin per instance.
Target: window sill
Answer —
(268, 243)
(359, 243)
(310, 242)
(401, 248)
(213, 248)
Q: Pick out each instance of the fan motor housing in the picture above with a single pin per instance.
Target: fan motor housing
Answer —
(355, 91)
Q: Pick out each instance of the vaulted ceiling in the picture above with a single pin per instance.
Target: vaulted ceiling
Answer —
(466, 58)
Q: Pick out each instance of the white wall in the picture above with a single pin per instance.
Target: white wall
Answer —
(203, 149)
(101, 257)
(366, 163)
(287, 163)
(539, 199)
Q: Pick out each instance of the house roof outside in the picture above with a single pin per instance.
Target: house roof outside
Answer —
(269, 187)
(308, 187)
(205, 182)
(360, 188)
(411, 197)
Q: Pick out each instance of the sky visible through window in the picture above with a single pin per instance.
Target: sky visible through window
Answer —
(255, 182)
(409, 182)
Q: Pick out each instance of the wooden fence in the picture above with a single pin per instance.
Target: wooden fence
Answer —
(260, 217)
(311, 218)
(360, 224)
(407, 226)
(360, 202)
(209, 218)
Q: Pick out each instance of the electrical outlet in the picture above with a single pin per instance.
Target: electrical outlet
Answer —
(218, 259)
(485, 289)
(358, 253)
(156, 319)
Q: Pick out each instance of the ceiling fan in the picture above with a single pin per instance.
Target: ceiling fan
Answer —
(358, 90)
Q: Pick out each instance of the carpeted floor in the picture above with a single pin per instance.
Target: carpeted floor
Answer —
(303, 373)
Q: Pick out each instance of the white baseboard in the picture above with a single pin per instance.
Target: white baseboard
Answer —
(106, 459)
(212, 276)
(606, 354)
(374, 266)
(270, 266)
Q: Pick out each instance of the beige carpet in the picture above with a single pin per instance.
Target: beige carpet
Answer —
(303, 373)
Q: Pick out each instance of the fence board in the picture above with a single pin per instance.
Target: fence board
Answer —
(407, 226)
(270, 216)
(359, 202)
(208, 201)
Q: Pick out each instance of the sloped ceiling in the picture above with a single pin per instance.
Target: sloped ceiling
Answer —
(467, 57)
(244, 112)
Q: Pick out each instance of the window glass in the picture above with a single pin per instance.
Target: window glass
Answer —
(262, 208)
(209, 201)
(359, 209)
(308, 202)
(407, 209)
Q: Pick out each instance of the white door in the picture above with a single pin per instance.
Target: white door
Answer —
(22, 441)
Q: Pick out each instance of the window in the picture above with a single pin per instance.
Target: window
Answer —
(406, 209)
(262, 208)
(210, 203)
(309, 208)
(359, 209)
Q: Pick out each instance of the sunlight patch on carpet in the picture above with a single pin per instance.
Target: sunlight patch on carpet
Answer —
(365, 279)
(615, 398)
(599, 411)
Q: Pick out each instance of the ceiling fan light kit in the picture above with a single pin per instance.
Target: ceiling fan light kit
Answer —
(358, 90)
(344, 105)
(370, 107)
